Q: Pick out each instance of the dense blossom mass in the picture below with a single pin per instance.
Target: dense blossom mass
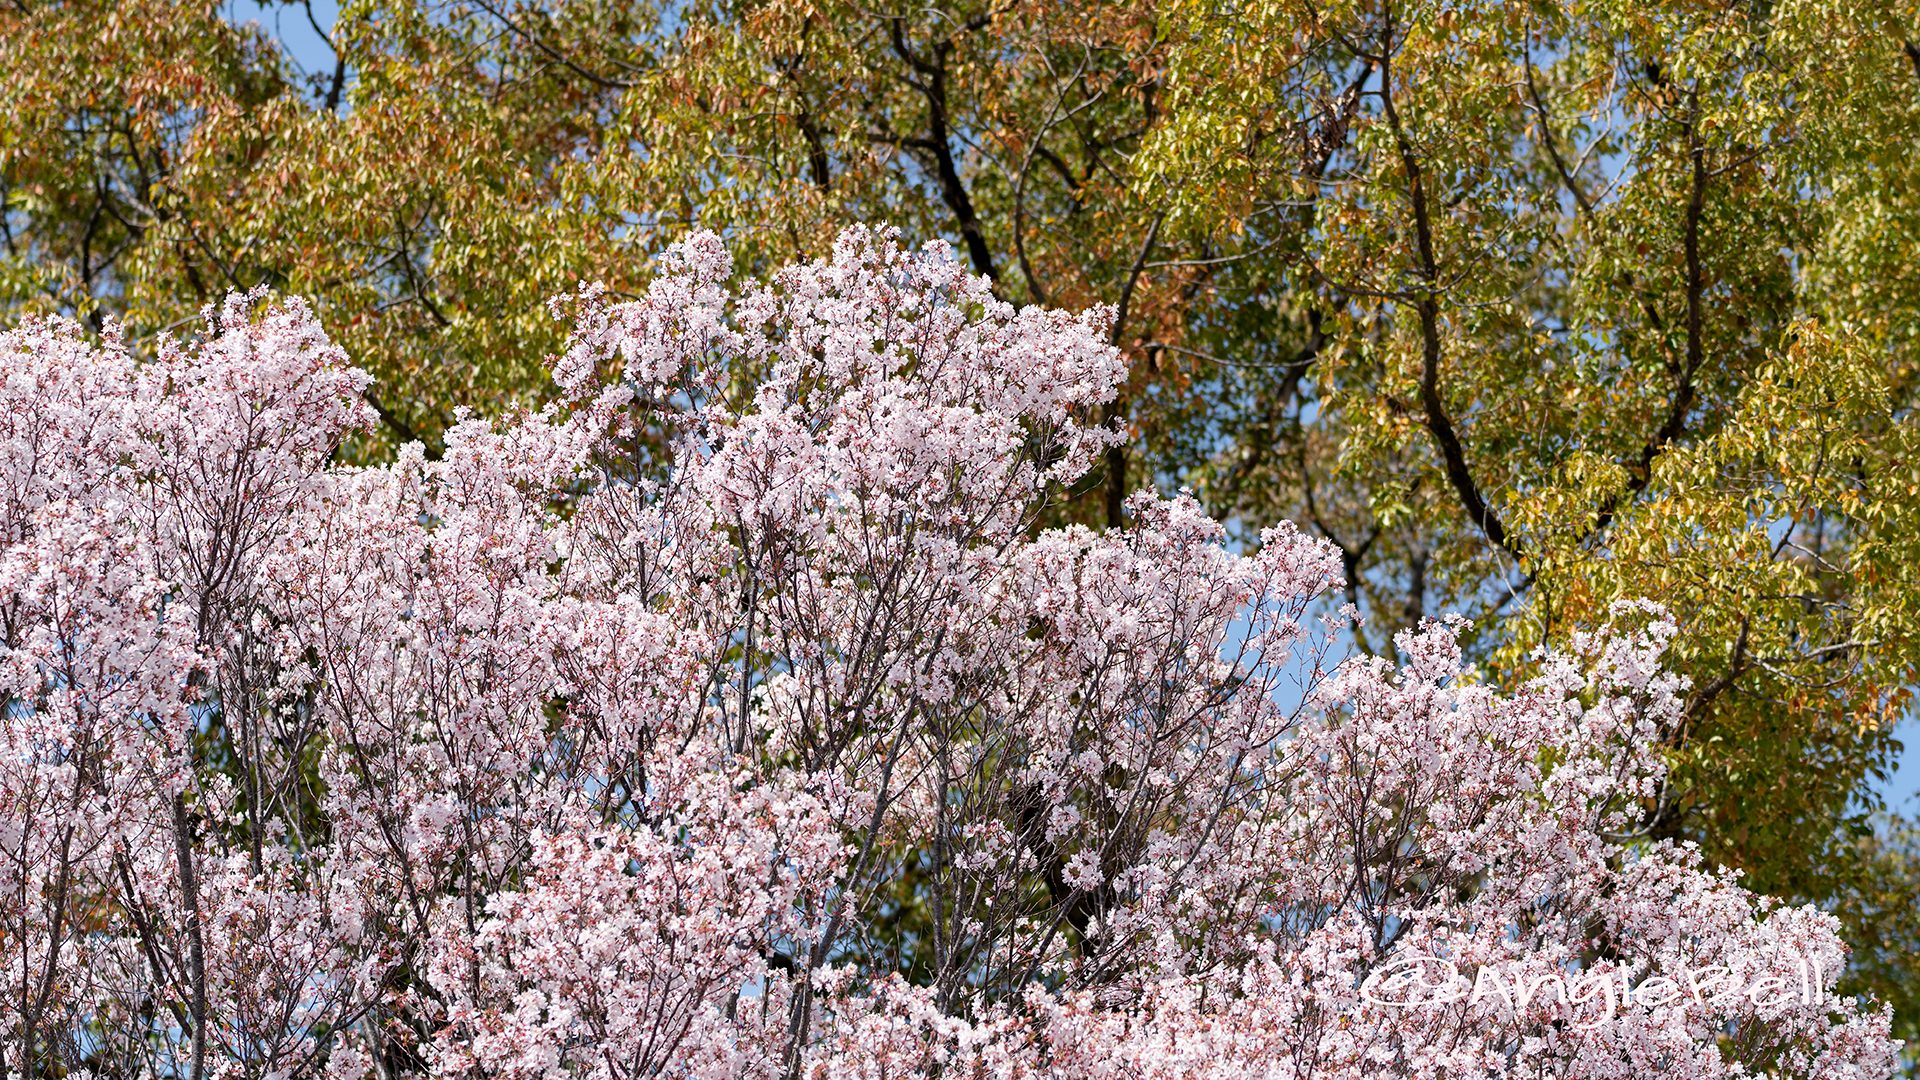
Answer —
(731, 716)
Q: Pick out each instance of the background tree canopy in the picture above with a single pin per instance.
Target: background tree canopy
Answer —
(1528, 307)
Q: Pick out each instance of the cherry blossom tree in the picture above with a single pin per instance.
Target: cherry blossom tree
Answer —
(732, 716)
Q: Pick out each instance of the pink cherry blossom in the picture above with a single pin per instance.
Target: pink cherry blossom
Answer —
(733, 716)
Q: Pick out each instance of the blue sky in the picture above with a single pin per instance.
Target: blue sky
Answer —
(1902, 791)
(298, 39)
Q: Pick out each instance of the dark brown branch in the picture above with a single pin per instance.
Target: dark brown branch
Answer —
(1438, 422)
(1075, 184)
(339, 60)
(1258, 440)
(1116, 473)
(1351, 555)
(1552, 145)
(1684, 393)
(1696, 201)
(1416, 608)
(339, 81)
(1133, 277)
(86, 238)
(390, 418)
(35, 1009)
(817, 161)
(1640, 474)
(1579, 194)
(952, 191)
(150, 946)
(1737, 665)
(413, 280)
(1076, 906)
(196, 960)
(554, 54)
(1317, 151)
(1035, 290)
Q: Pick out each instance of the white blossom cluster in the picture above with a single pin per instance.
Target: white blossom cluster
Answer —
(733, 716)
